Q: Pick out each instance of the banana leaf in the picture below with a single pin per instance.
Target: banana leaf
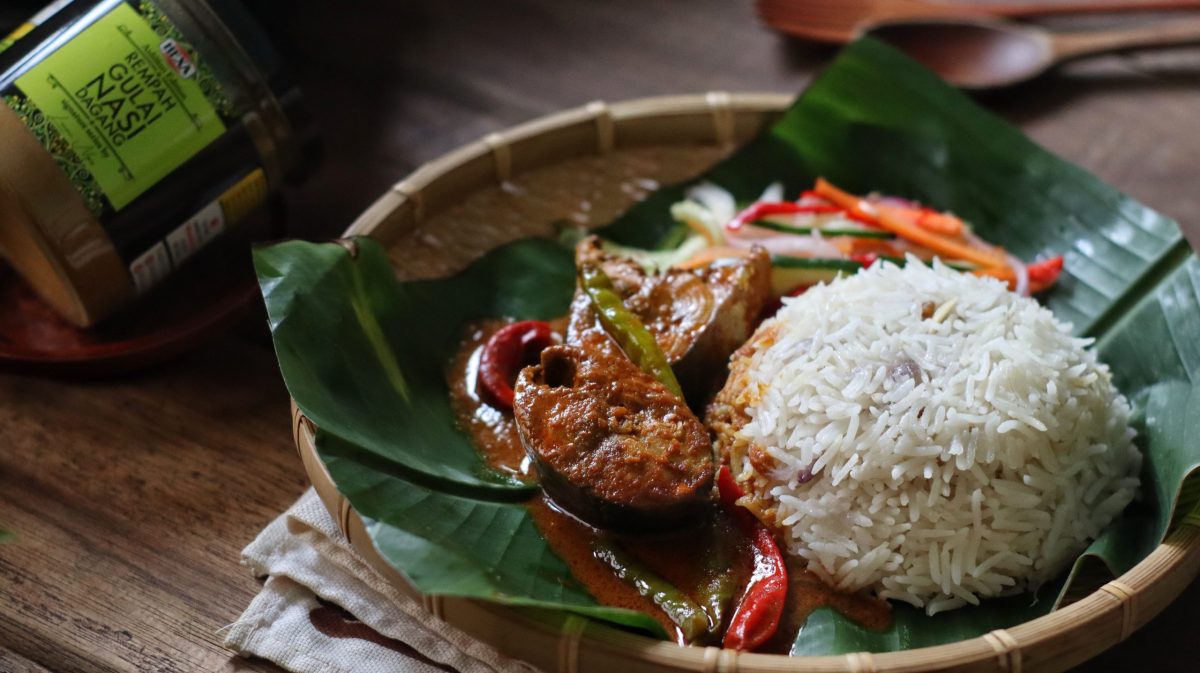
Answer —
(378, 382)
(447, 534)
(461, 546)
(363, 355)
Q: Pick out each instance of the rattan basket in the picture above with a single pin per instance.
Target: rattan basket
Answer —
(678, 131)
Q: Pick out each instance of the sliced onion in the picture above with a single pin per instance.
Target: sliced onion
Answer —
(792, 245)
(749, 231)
(895, 201)
(1022, 274)
(773, 192)
(802, 220)
(718, 201)
(976, 242)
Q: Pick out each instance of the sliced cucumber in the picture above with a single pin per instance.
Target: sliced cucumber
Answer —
(957, 266)
(788, 273)
(831, 231)
(815, 263)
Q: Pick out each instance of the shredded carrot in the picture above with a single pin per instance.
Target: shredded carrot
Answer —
(702, 230)
(939, 223)
(1003, 273)
(901, 226)
(707, 256)
(854, 245)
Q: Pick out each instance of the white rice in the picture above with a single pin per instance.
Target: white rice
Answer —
(985, 474)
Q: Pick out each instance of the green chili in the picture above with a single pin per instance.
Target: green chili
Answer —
(717, 593)
(683, 611)
(624, 326)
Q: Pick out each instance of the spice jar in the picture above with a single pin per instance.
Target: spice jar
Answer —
(132, 133)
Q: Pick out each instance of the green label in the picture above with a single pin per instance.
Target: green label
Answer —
(127, 102)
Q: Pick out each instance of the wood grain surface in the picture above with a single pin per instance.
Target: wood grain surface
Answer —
(131, 497)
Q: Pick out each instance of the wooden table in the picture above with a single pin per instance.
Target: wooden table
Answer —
(132, 496)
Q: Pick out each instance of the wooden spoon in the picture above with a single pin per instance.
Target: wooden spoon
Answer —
(840, 20)
(988, 53)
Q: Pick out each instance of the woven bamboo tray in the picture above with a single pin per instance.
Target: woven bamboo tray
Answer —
(586, 165)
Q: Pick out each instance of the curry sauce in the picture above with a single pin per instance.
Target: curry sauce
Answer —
(493, 431)
(679, 557)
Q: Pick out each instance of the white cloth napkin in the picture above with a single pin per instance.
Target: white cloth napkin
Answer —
(324, 610)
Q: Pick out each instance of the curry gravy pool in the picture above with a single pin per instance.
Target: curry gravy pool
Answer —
(678, 557)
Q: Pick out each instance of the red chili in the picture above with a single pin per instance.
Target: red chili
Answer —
(768, 208)
(761, 608)
(508, 351)
(728, 489)
(865, 258)
(1045, 272)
